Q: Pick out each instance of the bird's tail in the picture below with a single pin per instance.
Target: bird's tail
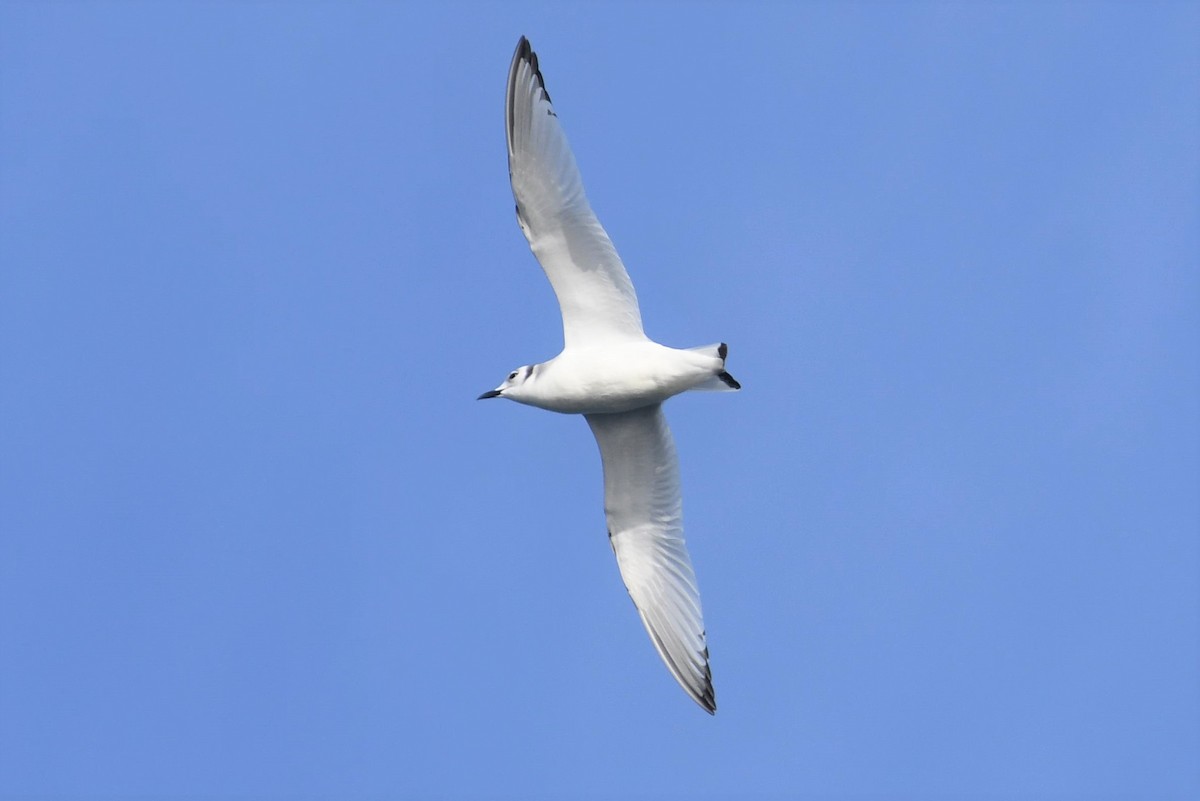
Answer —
(721, 381)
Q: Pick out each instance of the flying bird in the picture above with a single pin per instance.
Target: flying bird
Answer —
(613, 374)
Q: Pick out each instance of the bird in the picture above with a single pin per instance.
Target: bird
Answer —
(610, 372)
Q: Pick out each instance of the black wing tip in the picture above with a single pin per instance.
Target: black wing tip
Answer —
(525, 53)
(722, 351)
(704, 695)
(707, 699)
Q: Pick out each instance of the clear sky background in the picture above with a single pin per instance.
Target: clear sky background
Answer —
(259, 539)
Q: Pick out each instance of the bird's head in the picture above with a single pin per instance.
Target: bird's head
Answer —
(513, 386)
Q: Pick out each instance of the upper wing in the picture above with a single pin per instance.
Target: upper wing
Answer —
(594, 291)
(645, 527)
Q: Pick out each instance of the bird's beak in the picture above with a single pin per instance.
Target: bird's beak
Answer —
(491, 393)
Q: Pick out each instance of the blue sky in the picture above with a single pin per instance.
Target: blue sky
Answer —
(259, 540)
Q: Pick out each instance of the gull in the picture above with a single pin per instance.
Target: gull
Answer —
(613, 374)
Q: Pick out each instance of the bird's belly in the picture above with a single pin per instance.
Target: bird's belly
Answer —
(605, 400)
(610, 386)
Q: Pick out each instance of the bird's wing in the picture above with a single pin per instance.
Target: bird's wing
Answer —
(645, 527)
(594, 292)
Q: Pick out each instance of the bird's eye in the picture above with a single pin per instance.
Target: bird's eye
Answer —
(512, 375)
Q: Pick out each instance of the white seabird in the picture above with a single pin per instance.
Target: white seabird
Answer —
(613, 374)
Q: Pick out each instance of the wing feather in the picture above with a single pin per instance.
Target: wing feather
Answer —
(644, 509)
(595, 295)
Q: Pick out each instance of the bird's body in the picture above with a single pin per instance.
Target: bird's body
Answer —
(611, 373)
(608, 379)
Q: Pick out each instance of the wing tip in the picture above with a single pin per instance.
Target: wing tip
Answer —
(699, 688)
(525, 53)
(708, 699)
(522, 55)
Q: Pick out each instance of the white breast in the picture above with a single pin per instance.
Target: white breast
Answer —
(616, 378)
